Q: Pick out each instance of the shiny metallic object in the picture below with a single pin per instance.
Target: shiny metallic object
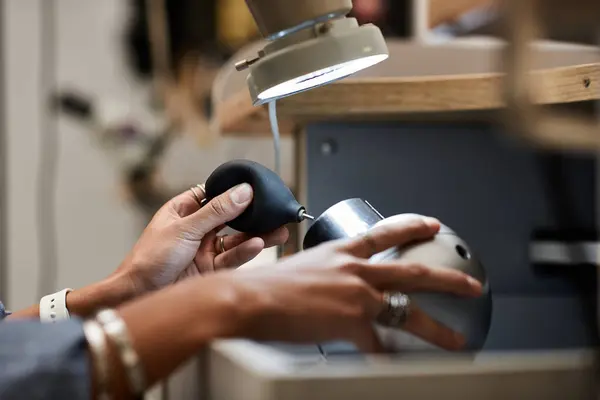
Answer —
(196, 195)
(304, 216)
(200, 199)
(468, 316)
(396, 310)
(222, 244)
(346, 219)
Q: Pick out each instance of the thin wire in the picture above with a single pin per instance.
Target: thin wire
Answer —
(49, 149)
(276, 135)
(277, 152)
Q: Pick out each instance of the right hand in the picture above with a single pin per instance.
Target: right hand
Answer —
(332, 292)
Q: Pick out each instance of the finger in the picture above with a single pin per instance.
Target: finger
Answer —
(365, 337)
(275, 238)
(394, 276)
(220, 228)
(397, 231)
(186, 203)
(240, 255)
(423, 326)
(367, 340)
(206, 247)
(207, 244)
(218, 211)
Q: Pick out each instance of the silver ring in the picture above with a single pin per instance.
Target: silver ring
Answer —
(222, 244)
(196, 196)
(396, 310)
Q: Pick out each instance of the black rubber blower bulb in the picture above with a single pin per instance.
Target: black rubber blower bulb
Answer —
(273, 205)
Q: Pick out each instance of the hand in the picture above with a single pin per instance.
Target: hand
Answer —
(332, 292)
(328, 293)
(181, 240)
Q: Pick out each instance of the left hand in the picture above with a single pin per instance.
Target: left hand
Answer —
(181, 240)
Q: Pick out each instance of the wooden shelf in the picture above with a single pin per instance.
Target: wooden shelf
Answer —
(454, 80)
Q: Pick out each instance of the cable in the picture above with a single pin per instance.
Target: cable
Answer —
(48, 158)
(277, 154)
(277, 151)
(276, 135)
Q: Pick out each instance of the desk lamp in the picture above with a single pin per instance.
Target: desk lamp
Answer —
(311, 43)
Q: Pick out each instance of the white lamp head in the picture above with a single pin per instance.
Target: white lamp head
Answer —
(311, 43)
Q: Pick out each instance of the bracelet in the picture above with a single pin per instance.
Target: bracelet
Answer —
(53, 307)
(116, 330)
(97, 342)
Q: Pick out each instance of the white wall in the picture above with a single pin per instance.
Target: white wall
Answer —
(96, 225)
(21, 36)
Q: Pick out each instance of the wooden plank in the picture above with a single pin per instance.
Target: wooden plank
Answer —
(410, 98)
(439, 94)
(411, 65)
(559, 130)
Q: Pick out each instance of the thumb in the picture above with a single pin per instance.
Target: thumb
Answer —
(218, 211)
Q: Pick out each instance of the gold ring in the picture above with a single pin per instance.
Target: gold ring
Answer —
(222, 244)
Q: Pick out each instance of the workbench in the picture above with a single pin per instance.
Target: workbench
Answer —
(421, 134)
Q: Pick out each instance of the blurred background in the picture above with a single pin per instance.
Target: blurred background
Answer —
(85, 103)
(109, 109)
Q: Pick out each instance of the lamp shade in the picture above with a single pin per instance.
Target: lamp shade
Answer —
(311, 44)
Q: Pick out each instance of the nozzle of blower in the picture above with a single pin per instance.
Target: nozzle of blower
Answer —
(304, 216)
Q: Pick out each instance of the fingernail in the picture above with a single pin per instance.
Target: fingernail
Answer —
(433, 222)
(241, 194)
(475, 284)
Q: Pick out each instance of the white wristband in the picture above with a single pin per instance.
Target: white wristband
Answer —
(53, 307)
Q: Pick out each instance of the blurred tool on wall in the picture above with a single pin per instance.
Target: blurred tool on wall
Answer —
(176, 47)
(135, 142)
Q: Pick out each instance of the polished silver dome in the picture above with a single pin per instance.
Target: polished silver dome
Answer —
(469, 316)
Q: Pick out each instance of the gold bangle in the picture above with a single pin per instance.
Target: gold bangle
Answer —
(97, 343)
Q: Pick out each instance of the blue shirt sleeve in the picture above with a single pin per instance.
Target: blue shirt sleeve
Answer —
(44, 361)
(3, 312)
